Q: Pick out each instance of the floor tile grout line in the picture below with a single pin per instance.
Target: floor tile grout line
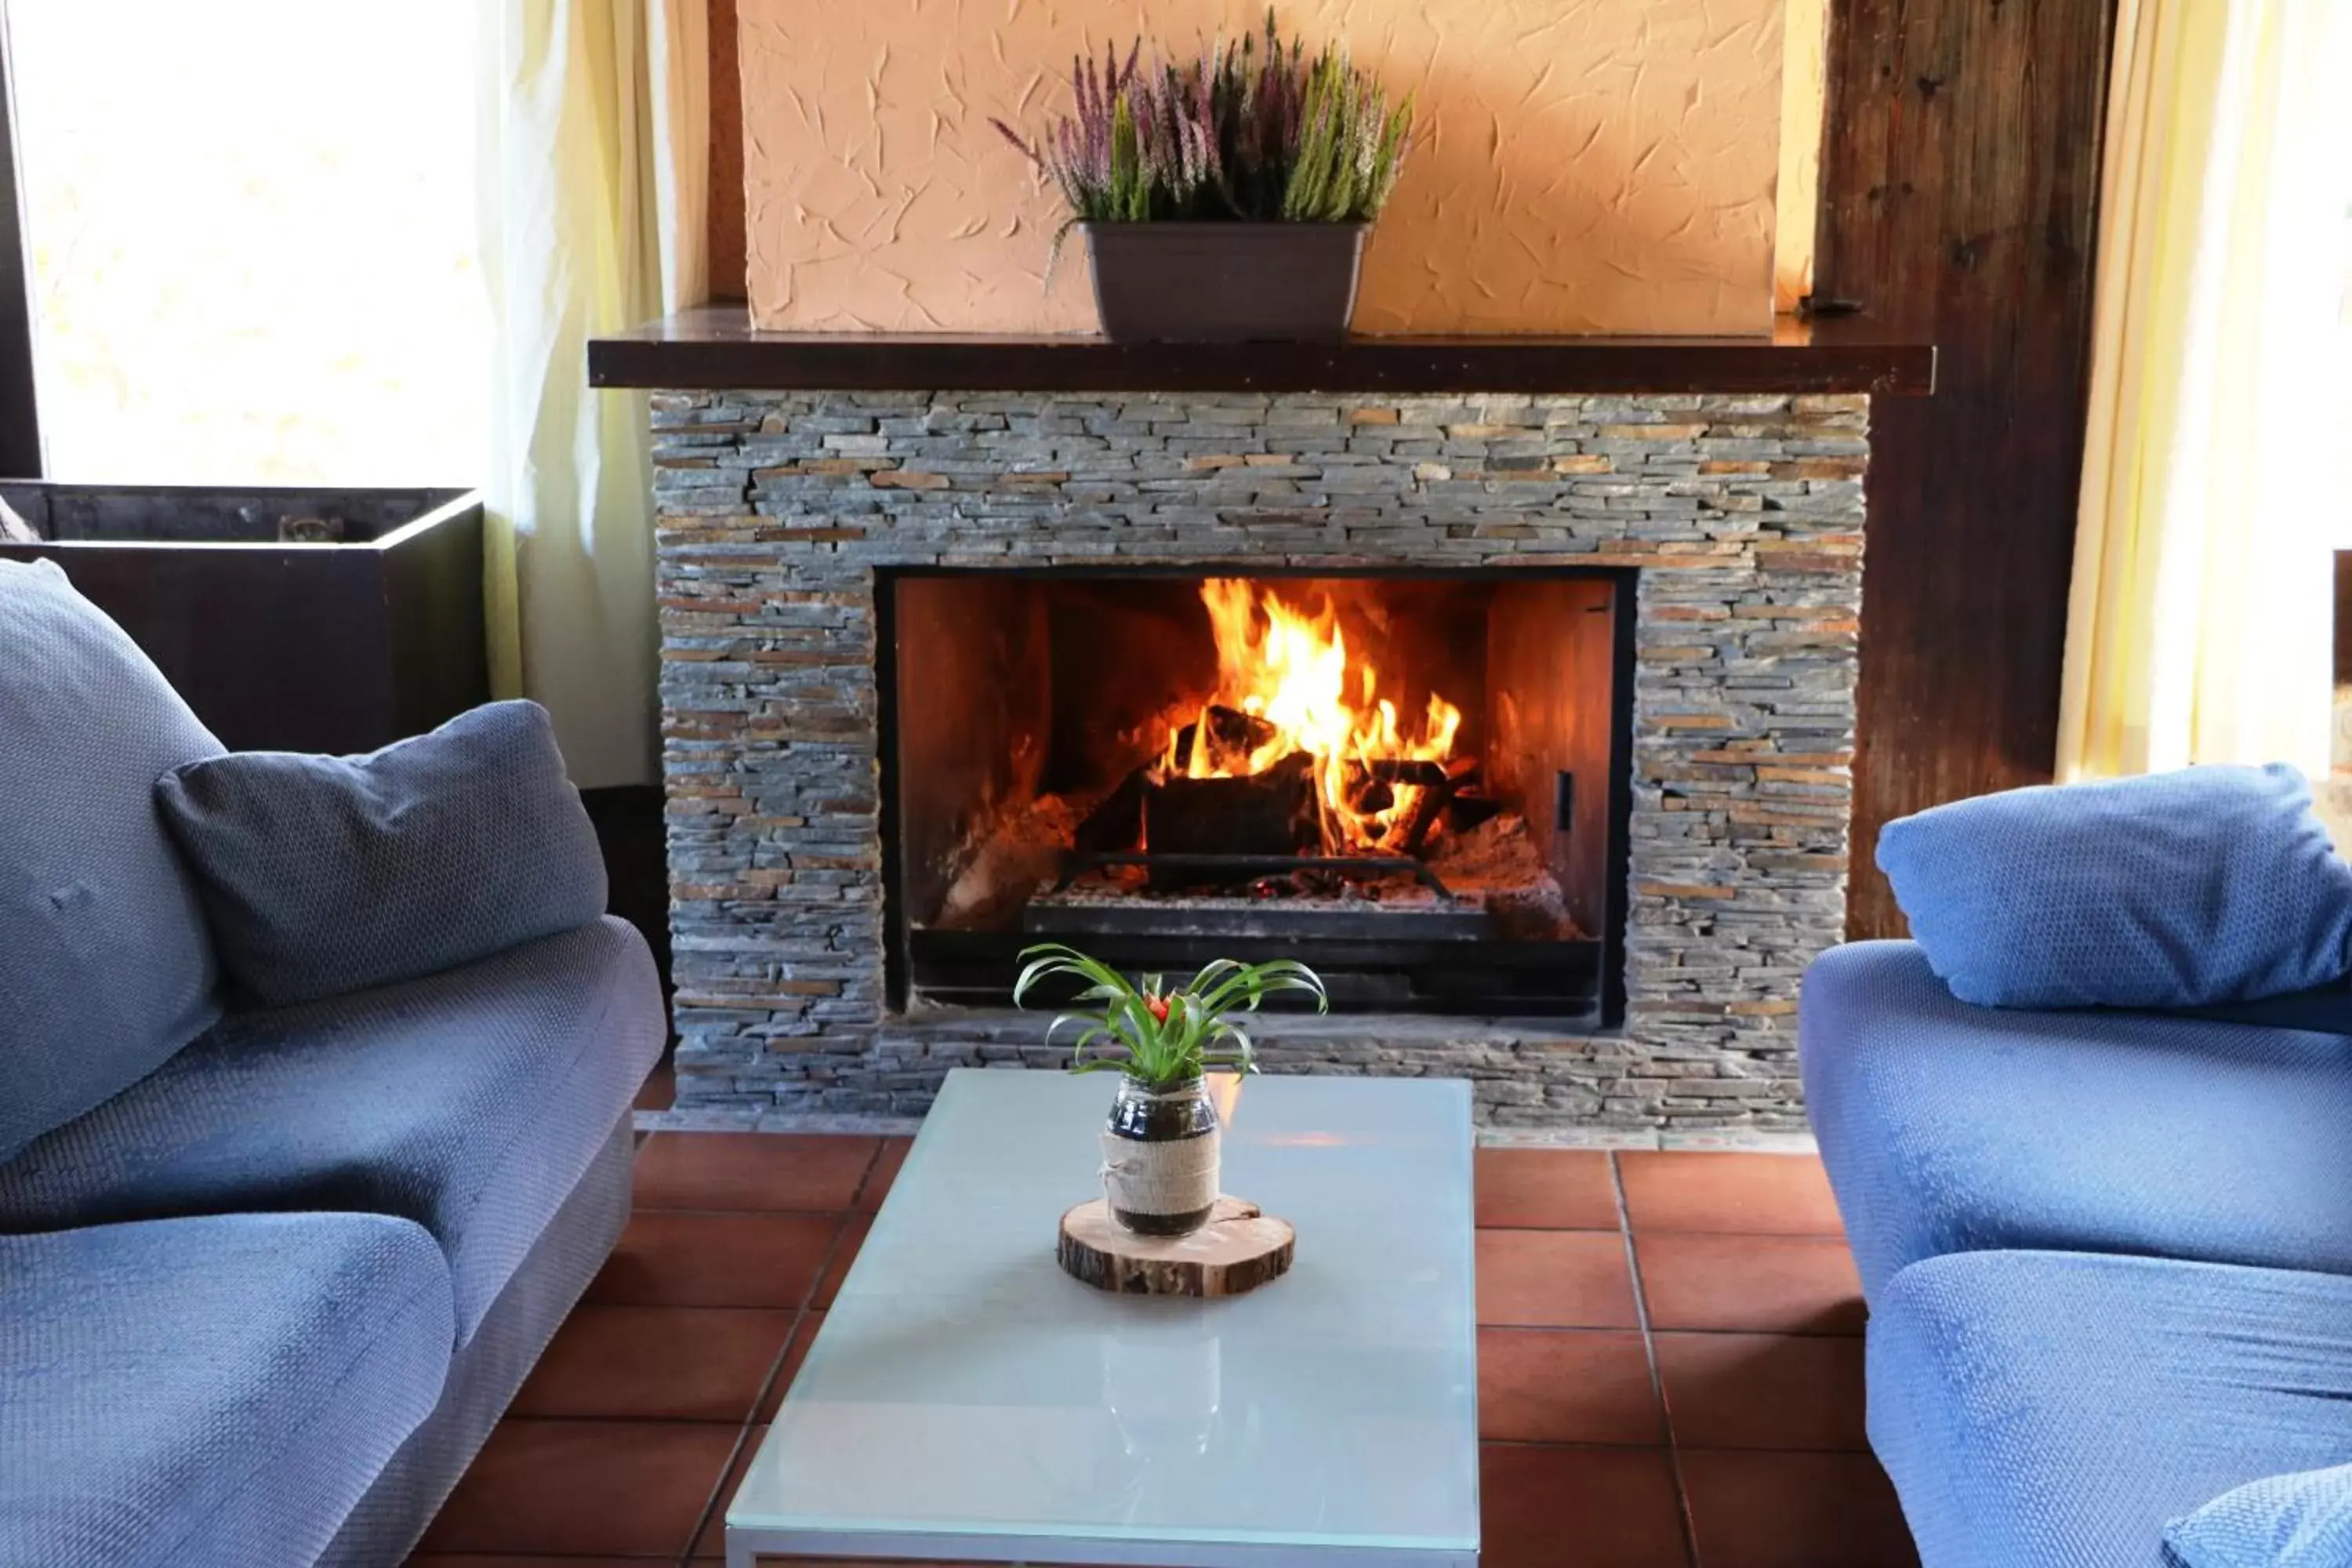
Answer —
(753, 1214)
(1589, 1443)
(1657, 1376)
(832, 1251)
(711, 1502)
(711, 1499)
(776, 1367)
(1678, 1334)
(865, 1177)
(714, 1501)
(1661, 1232)
(1581, 1445)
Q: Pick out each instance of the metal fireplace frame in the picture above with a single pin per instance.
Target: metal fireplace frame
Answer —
(1595, 968)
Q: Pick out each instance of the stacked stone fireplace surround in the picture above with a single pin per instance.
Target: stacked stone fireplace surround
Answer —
(1742, 515)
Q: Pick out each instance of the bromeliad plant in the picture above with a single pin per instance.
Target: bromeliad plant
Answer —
(1161, 1036)
(1254, 133)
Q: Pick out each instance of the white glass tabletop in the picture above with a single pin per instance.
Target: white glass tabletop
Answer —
(967, 1399)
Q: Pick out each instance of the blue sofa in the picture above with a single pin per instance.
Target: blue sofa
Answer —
(2107, 1257)
(261, 1303)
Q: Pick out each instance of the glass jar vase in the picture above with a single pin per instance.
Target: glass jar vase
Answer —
(1160, 1157)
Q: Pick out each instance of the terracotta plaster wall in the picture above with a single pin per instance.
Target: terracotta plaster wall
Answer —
(1584, 165)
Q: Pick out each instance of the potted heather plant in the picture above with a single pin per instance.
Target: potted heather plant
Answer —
(1226, 197)
(1160, 1150)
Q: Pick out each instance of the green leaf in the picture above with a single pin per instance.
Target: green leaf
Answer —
(1193, 1036)
(1053, 958)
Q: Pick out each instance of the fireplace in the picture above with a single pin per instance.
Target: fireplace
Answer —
(1415, 783)
(940, 668)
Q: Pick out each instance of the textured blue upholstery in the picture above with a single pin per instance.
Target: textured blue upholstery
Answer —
(2051, 1410)
(1949, 1128)
(322, 876)
(209, 1391)
(105, 968)
(2298, 1520)
(470, 1102)
(486, 1373)
(2210, 884)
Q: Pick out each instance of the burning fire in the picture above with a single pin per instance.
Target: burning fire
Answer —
(1291, 669)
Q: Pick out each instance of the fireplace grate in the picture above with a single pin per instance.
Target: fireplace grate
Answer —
(1405, 969)
(1212, 868)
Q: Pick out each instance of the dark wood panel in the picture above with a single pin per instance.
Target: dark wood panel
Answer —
(716, 346)
(1959, 189)
(334, 647)
(724, 224)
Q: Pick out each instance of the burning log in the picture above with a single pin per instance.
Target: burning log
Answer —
(1116, 821)
(1466, 810)
(1269, 813)
(1411, 771)
(1233, 738)
(1434, 801)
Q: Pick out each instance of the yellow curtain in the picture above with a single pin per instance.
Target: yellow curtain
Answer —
(595, 128)
(2199, 624)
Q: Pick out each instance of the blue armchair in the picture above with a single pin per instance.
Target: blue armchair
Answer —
(2107, 1257)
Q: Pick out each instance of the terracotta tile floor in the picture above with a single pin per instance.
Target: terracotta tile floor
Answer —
(1670, 1371)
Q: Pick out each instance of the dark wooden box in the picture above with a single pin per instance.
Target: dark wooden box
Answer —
(301, 620)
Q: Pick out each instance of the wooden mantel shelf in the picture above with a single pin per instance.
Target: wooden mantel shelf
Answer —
(715, 346)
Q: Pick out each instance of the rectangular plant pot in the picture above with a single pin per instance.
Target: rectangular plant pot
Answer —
(1226, 282)
(300, 620)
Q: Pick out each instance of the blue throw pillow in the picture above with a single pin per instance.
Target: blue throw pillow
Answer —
(2302, 1521)
(105, 967)
(327, 875)
(2212, 884)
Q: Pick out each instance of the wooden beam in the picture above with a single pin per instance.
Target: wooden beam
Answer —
(1959, 195)
(716, 346)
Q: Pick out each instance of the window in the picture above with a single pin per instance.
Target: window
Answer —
(251, 234)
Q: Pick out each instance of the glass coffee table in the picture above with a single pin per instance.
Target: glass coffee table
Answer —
(969, 1402)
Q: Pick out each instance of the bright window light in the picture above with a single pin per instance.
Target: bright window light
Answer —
(251, 228)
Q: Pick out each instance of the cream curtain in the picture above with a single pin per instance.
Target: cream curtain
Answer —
(2199, 627)
(595, 144)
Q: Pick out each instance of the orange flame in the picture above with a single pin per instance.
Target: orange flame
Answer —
(1292, 670)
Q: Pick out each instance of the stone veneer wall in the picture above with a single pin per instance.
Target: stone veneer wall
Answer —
(1744, 514)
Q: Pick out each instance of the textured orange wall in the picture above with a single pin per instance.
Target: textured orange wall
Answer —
(1584, 165)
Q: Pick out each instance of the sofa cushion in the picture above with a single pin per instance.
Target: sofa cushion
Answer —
(105, 968)
(325, 874)
(2211, 884)
(2299, 1521)
(2054, 1410)
(1949, 1128)
(211, 1391)
(469, 1103)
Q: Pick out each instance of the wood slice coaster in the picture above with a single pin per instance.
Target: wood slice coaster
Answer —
(1240, 1248)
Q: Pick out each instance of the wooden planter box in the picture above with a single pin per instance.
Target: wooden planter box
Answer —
(1226, 282)
(302, 620)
